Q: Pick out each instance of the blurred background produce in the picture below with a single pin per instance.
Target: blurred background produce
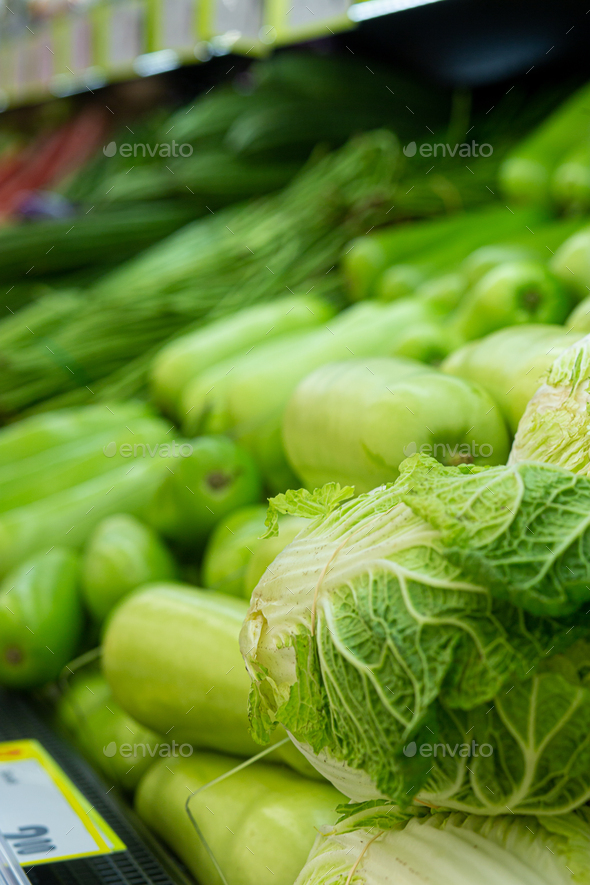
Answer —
(283, 268)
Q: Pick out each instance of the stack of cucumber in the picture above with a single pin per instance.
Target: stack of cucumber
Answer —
(553, 164)
(312, 337)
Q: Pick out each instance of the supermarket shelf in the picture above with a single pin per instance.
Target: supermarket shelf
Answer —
(143, 863)
(468, 43)
(92, 45)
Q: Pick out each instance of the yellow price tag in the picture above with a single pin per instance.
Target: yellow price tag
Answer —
(43, 816)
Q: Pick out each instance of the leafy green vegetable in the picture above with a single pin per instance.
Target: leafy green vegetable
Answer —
(554, 428)
(421, 616)
(450, 849)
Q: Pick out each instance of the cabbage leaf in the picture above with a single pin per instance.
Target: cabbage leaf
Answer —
(382, 644)
(450, 849)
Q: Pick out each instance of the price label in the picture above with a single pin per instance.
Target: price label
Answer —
(43, 816)
(243, 16)
(177, 24)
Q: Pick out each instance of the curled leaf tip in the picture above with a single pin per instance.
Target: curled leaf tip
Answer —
(302, 502)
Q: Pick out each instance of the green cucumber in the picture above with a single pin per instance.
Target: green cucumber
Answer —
(366, 258)
(111, 740)
(247, 396)
(259, 823)
(484, 227)
(571, 263)
(510, 364)
(68, 517)
(40, 619)
(172, 658)
(214, 478)
(121, 554)
(231, 547)
(61, 467)
(570, 184)
(511, 294)
(39, 433)
(525, 175)
(579, 319)
(184, 358)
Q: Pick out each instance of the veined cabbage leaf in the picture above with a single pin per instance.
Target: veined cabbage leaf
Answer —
(555, 428)
(378, 847)
(378, 644)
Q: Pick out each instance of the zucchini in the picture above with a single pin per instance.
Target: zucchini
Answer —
(50, 471)
(68, 516)
(105, 734)
(172, 659)
(525, 175)
(186, 357)
(121, 554)
(40, 618)
(246, 396)
(259, 823)
(510, 364)
(39, 433)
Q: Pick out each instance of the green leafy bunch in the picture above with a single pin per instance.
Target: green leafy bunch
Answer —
(429, 641)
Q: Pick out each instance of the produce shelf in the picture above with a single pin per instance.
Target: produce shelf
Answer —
(140, 864)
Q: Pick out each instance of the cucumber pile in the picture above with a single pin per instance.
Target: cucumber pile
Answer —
(312, 311)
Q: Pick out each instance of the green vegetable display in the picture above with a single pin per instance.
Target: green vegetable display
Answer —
(112, 741)
(63, 467)
(579, 319)
(486, 258)
(41, 433)
(366, 258)
(69, 516)
(40, 618)
(479, 229)
(511, 364)
(525, 175)
(121, 554)
(571, 263)
(570, 185)
(406, 407)
(378, 845)
(438, 612)
(172, 659)
(259, 823)
(208, 269)
(246, 397)
(186, 357)
(99, 237)
(512, 293)
(231, 547)
(237, 555)
(555, 425)
(211, 478)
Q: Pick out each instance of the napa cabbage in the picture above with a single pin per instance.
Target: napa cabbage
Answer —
(427, 642)
(378, 846)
